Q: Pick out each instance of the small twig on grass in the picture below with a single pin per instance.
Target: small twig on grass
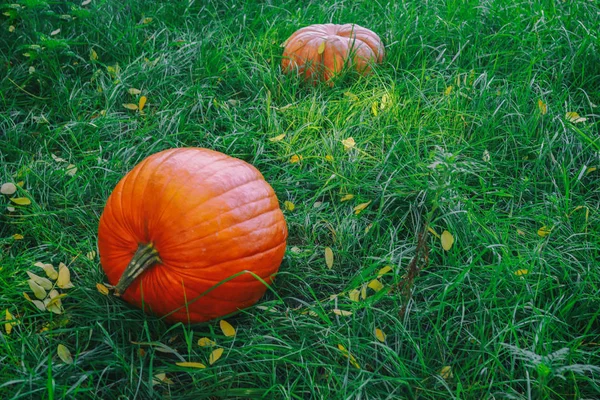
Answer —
(421, 258)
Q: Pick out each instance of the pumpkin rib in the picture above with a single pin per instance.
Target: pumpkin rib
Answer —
(165, 185)
(152, 175)
(193, 208)
(166, 247)
(259, 253)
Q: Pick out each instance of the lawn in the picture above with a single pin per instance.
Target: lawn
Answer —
(481, 125)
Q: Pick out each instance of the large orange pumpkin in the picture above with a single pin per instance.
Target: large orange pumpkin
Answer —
(321, 51)
(180, 229)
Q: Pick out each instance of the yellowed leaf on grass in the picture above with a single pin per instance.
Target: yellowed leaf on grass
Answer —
(375, 285)
(37, 290)
(93, 55)
(102, 289)
(36, 303)
(358, 209)
(321, 48)
(374, 108)
(8, 188)
(90, 255)
(351, 96)
(191, 365)
(347, 197)
(350, 357)
(48, 269)
(18, 236)
(21, 201)
(385, 99)
(342, 313)
(86, 2)
(520, 232)
(329, 157)
(295, 159)
(521, 272)
(363, 291)
(446, 372)
(64, 277)
(227, 328)
(329, 257)
(55, 32)
(354, 295)
(542, 107)
(589, 170)
(146, 20)
(384, 271)
(206, 342)
(380, 335)
(289, 205)
(348, 143)
(448, 90)
(368, 227)
(574, 117)
(64, 354)
(544, 231)
(134, 91)
(131, 106)
(11, 28)
(71, 170)
(162, 378)
(142, 103)
(447, 240)
(215, 355)
(43, 282)
(10, 322)
(277, 138)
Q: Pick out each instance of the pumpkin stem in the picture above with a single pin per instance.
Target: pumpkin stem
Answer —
(145, 257)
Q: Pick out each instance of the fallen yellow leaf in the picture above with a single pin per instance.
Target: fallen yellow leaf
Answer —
(375, 285)
(64, 277)
(295, 159)
(142, 102)
(347, 197)
(277, 138)
(329, 257)
(289, 205)
(64, 354)
(21, 201)
(130, 106)
(446, 372)
(215, 355)
(48, 269)
(17, 236)
(542, 107)
(384, 271)
(191, 365)
(102, 289)
(10, 322)
(134, 91)
(342, 313)
(348, 143)
(354, 295)
(227, 328)
(521, 272)
(544, 231)
(447, 240)
(360, 207)
(205, 342)
(448, 90)
(350, 357)
(380, 335)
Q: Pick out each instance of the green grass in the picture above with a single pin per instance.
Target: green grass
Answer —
(479, 160)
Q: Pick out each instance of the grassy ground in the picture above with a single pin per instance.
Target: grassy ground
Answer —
(463, 128)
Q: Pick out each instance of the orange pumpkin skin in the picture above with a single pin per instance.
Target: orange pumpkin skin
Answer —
(208, 216)
(321, 51)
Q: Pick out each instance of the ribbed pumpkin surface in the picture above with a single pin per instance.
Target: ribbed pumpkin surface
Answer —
(209, 216)
(321, 51)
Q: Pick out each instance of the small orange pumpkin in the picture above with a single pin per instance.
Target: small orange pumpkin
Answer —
(321, 51)
(181, 230)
